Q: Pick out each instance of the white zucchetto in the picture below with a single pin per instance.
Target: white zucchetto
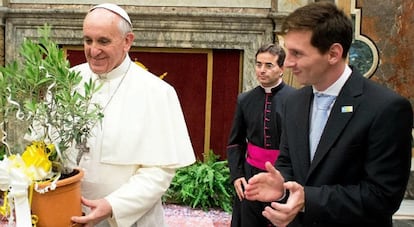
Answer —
(114, 8)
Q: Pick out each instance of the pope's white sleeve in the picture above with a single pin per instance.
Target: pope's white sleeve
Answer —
(133, 199)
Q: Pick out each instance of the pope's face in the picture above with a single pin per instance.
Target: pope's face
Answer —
(104, 45)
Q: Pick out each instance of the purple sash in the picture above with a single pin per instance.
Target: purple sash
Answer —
(257, 156)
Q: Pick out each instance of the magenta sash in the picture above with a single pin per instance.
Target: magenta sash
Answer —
(257, 156)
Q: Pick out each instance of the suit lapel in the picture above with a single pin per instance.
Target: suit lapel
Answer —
(344, 108)
(302, 129)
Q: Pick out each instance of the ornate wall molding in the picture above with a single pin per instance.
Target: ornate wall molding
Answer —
(170, 27)
(363, 52)
(162, 3)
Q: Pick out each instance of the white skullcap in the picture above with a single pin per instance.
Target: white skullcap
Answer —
(114, 8)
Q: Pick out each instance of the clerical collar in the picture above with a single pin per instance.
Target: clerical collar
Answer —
(118, 71)
(270, 89)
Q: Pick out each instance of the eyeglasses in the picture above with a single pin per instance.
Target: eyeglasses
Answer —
(267, 66)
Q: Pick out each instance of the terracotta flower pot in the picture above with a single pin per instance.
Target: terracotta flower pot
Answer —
(55, 207)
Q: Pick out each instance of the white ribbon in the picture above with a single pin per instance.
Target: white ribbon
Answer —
(19, 113)
(14, 180)
(4, 138)
(18, 191)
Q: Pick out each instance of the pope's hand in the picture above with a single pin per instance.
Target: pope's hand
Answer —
(100, 210)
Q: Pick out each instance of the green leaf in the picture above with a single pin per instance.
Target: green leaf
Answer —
(205, 184)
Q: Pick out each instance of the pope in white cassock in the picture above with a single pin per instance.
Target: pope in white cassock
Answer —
(143, 138)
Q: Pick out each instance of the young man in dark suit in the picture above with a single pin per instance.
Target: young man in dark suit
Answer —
(358, 171)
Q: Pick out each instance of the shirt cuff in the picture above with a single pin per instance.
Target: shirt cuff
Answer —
(283, 196)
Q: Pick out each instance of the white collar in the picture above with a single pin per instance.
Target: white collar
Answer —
(118, 71)
(336, 87)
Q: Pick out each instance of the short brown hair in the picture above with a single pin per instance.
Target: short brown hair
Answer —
(328, 24)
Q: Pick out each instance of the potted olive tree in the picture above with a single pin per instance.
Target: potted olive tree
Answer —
(45, 111)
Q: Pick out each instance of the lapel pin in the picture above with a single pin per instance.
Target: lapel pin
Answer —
(347, 109)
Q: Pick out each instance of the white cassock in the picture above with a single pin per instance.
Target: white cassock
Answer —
(134, 153)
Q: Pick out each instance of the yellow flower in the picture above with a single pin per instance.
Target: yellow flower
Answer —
(36, 156)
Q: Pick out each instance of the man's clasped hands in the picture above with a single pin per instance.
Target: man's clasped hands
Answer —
(271, 187)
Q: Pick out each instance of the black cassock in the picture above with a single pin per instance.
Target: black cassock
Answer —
(257, 120)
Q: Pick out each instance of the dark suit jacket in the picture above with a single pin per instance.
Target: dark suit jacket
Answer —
(361, 166)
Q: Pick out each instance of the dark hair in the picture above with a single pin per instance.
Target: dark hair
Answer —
(275, 50)
(328, 24)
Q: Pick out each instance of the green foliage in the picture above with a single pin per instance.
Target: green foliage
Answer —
(204, 184)
(40, 95)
